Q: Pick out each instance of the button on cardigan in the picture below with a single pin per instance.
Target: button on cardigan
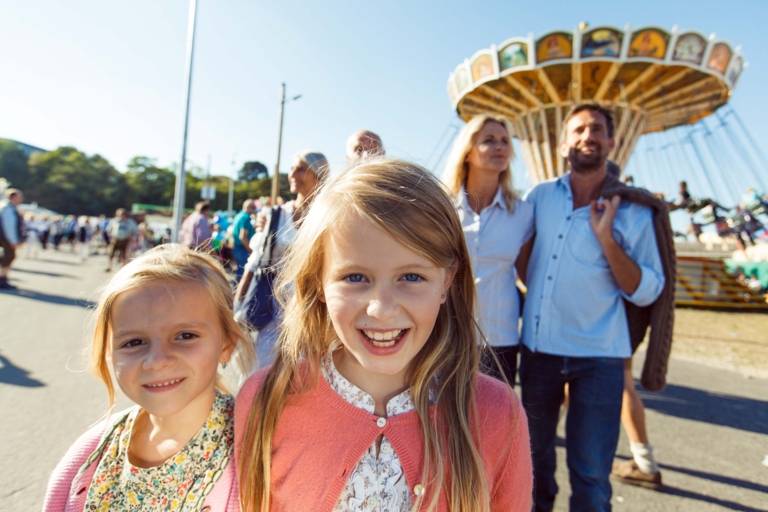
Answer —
(320, 438)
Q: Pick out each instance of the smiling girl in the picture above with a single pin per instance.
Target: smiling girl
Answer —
(374, 401)
(163, 328)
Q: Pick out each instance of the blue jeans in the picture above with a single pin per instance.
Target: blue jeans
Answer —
(240, 255)
(595, 386)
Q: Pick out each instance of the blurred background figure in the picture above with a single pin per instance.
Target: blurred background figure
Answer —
(363, 144)
(196, 229)
(11, 233)
(122, 232)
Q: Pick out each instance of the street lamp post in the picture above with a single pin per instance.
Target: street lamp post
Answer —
(231, 194)
(178, 201)
(276, 175)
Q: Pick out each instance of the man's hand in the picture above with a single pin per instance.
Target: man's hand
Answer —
(601, 215)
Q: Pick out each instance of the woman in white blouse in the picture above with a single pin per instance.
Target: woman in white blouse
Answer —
(496, 225)
(309, 170)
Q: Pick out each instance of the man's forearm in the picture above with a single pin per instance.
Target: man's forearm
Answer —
(625, 271)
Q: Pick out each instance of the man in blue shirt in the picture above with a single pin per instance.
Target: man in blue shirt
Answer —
(242, 231)
(589, 255)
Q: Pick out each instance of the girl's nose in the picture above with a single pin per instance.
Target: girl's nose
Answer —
(158, 357)
(382, 304)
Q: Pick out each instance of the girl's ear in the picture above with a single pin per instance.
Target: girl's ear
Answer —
(226, 353)
(450, 273)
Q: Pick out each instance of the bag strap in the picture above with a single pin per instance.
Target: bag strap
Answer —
(269, 240)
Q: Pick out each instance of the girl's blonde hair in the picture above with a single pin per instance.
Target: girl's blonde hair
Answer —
(174, 263)
(412, 206)
(457, 167)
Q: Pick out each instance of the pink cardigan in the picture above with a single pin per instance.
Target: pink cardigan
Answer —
(320, 438)
(67, 490)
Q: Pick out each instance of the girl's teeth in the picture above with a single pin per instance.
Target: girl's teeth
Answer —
(163, 384)
(383, 336)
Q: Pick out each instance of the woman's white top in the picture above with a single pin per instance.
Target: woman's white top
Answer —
(494, 238)
(377, 484)
(286, 232)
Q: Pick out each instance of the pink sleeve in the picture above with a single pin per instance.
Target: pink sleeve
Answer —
(513, 489)
(59, 484)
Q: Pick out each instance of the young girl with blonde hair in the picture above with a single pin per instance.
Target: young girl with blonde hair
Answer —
(374, 401)
(163, 328)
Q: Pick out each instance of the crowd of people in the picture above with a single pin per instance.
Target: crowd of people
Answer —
(390, 316)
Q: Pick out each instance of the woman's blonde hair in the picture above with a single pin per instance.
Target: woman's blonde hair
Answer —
(412, 206)
(174, 263)
(457, 167)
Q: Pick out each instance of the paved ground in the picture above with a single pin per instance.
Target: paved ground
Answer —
(709, 426)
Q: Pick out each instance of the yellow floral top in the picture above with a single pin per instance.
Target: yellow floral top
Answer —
(181, 483)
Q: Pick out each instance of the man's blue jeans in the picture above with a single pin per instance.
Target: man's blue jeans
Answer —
(595, 386)
(240, 255)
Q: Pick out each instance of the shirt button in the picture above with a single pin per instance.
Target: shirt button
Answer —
(560, 236)
(549, 278)
(381, 422)
(554, 256)
(418, 490)
(568, 218)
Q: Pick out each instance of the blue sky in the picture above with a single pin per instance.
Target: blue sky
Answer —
(108, 77)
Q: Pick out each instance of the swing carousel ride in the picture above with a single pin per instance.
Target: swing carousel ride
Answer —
(661, 86)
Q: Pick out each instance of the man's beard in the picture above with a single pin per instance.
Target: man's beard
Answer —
(581, 163)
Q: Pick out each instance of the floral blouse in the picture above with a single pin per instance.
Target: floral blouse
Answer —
(181, 483)
(377, 484)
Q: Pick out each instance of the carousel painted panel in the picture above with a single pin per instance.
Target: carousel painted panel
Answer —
(514, 55)
(689, 48)
(603, 43)
(719, 57)
(648, 44)
(555, 46)
(483, 66)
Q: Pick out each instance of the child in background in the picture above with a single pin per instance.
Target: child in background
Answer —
(375, 401)
(163, 328)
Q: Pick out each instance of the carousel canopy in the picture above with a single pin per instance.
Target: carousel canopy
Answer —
(652, 79)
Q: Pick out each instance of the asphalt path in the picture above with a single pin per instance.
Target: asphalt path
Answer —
(708, 426)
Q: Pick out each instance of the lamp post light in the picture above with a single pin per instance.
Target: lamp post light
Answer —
(276, 175)
(178, 198)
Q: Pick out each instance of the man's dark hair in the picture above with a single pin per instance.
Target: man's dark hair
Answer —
(202, 206)
(592, 107)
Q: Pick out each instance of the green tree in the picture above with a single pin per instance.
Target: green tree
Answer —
(251, 171)
(69, 181)
(14, 166)
(149, 183)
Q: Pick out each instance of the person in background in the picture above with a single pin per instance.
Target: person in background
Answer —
(496, 224)
(196, 228)
(122, 231)
(11, 233)
(242, 231)
(589, 255)
(363, 144)
(309, 170)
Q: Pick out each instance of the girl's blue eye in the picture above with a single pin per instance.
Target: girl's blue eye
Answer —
(354, 278)
(186, 336)
(412, 278)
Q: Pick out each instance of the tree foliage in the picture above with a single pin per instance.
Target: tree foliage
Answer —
(71, 182)
(252, 171)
